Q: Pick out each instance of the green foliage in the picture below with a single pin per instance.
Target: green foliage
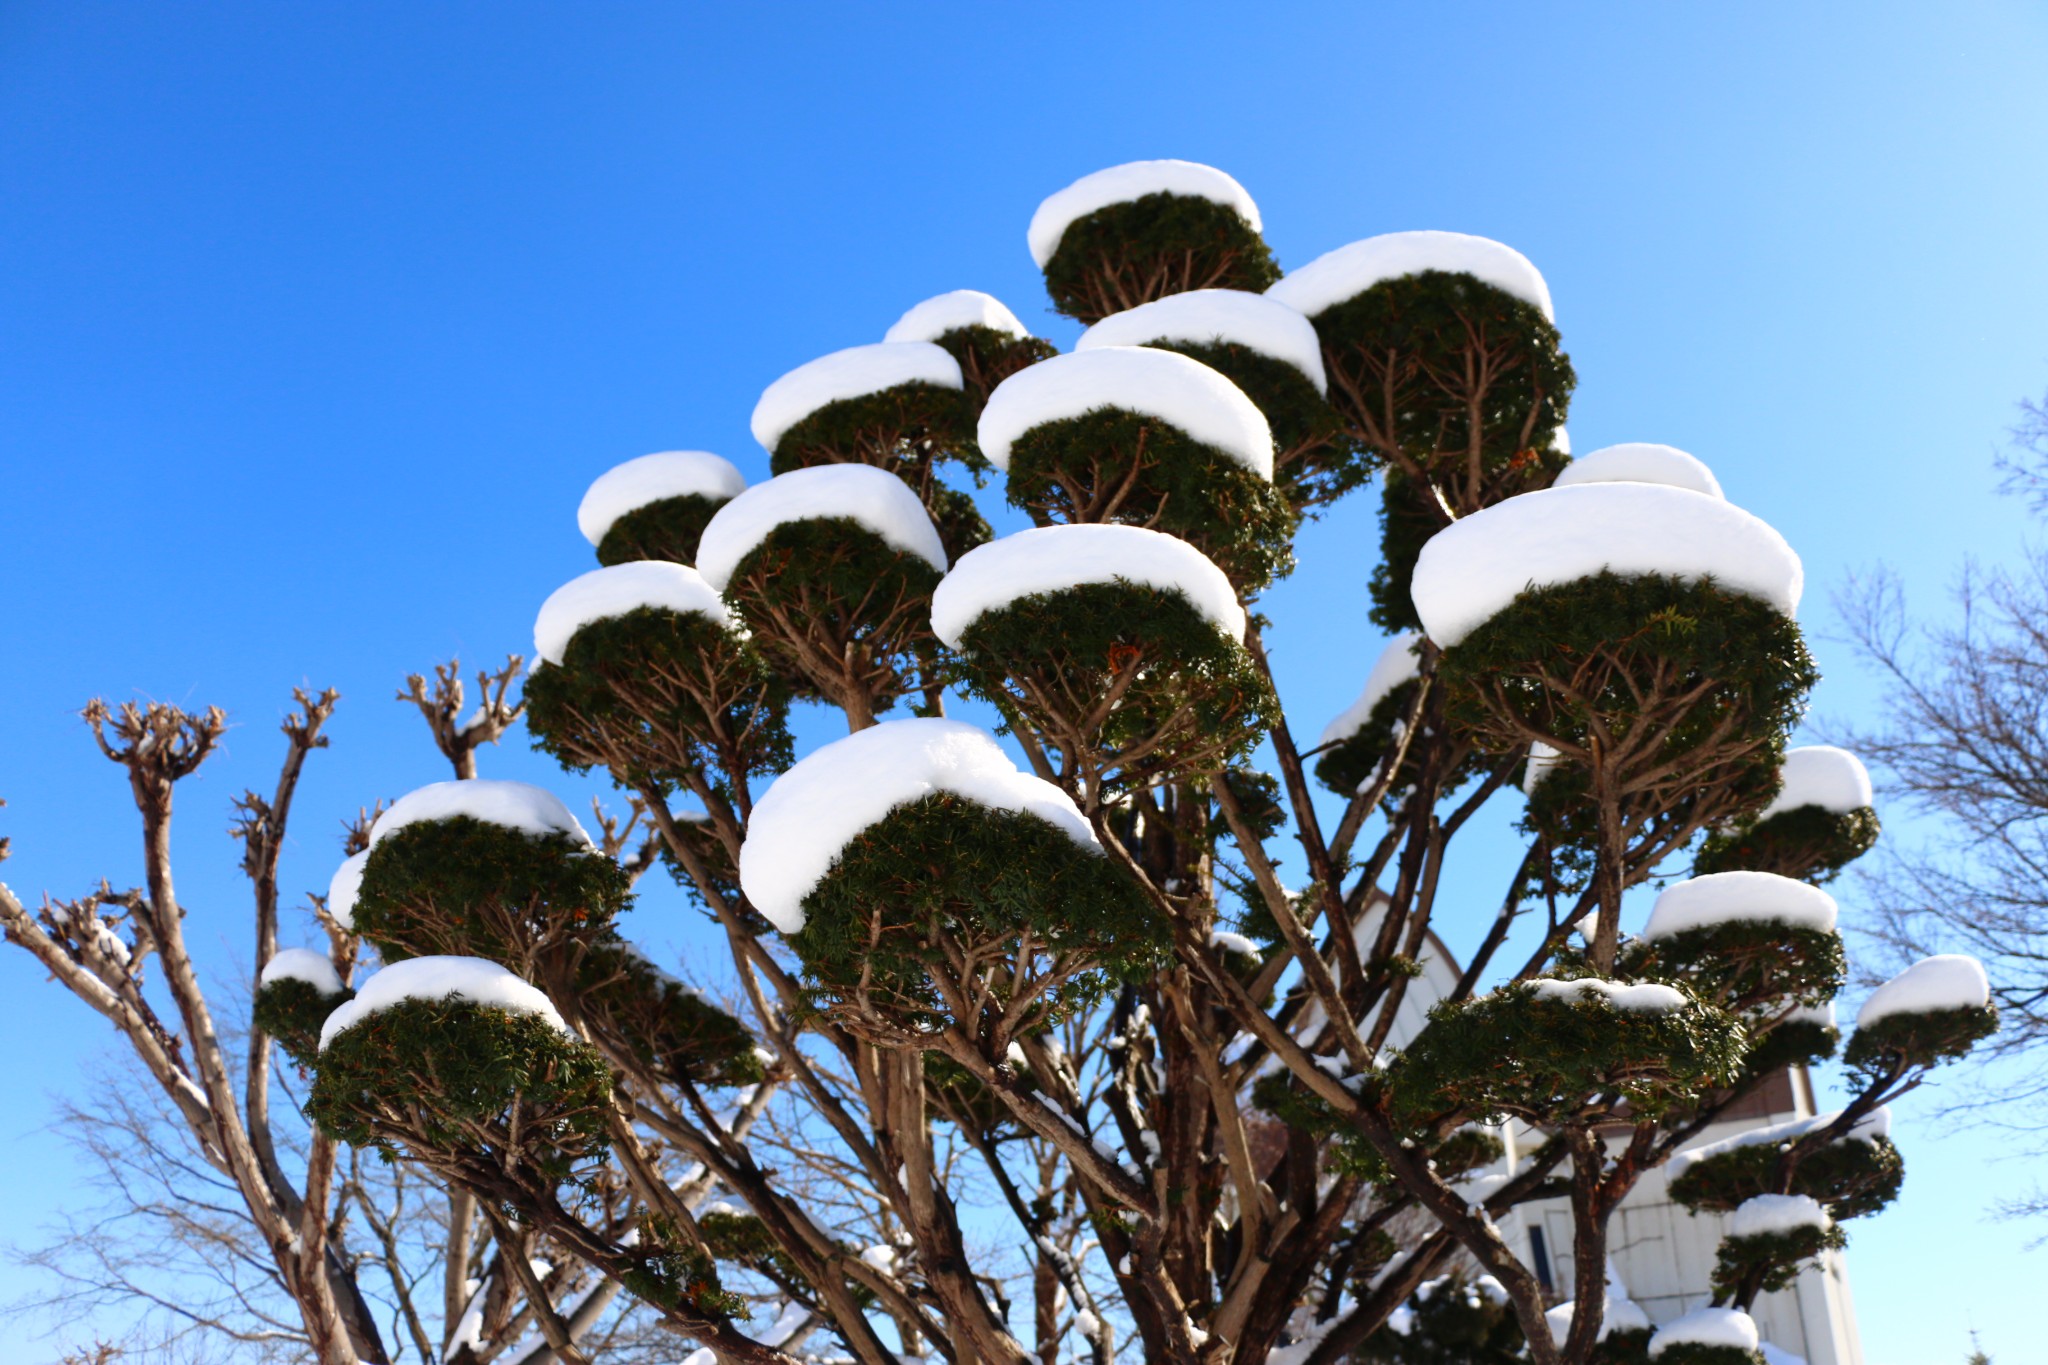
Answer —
(712, 856)
(1851, 1177)
(1318, 459)
(1258, 800)
(905, 427)
(1344, 1152)
(1452, 1321)
(292, 1011)
(1792, 1042)
(744, 1240)
(667, 528)
(958, 521)
(1624, 1348)
(987, 357)
(960, 1097)
(667, 1025)
(1466, 1150)
(1808, 842)
(672, 1273)
(1741, 963)
(1777, 1256)
(1126, 254)
(1920, 1039)
(1694, 1353)
(1408, 519)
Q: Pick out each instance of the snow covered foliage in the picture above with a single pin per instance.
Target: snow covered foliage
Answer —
(953, 311)
(620, 590)
(873, 501)
(1641, 462)
(986, 339)
(856, 373)
(1820, 820)
(1820, 775)
(1212, 317)
(296, 991)
(304, 966)
(674, 1030)
(655, 507)
(469, 979)
(1707, 1336)
(1622, 1321)
(344, 887)
(1339, 276)
(1935, 1010)
(1770, 1237)
(1357, 741)
(519, 806)
(1747, 939)
(1850, 1168)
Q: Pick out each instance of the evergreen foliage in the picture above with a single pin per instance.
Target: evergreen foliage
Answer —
(1808, 842)
(1851, 1177)
(667, 528)
(906, 428)
(670, 1027)
(1342, 1151)
(1790, 1042)
(1919, 1039)
(1451, 1322)
(292, 1011)
(1409, 516)
(987, 357)
(1739, 964)
(1697, 1353)
(1774, 1257)
(673, 1272)
(1143, 249)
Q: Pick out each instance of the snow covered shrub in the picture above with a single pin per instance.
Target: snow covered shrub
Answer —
(1819, 822)
(671, 1028)
(983, 337)
(1769, 1238)
(1852, 1174)
(656, 507)
(295, 993)
(1707, 1336)
(1782, 1038)
(1456, 1320)
(1934, 1011)
(1744, 940)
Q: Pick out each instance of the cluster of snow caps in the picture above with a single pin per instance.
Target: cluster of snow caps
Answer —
(604, 593)
(1641, 462)
(1947, 981)
(1337, 276)
(1396, 665)
(873, 497)
(1478, 564)
(854, 372)
(1121, 185)
(651, 478)
(1707, 1327)
(302, 964)
(1198, 317)
(1054, 558)
(1644, 997)
(512, 805)
(1767, 1215)
(1820, 775)
(1731, 897)
(812, 811)
(344, 887)
(441, 978)
(949, 312)
(1162, 384)
(1872, 1126)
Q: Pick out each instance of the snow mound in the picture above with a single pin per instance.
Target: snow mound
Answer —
(813, 810)
(948, 312)
(1235, 943)
(1640, 462)
(1349, 271)
(668, 474)
(873, 497)
(343, 889)
(302, 964)
(1543, 760)
(1947, 981)
(514, 805)
(1872, 1126)
(1396, 665)
(1621, 1315)
(852, 373)
(1133, 180)
(1706, 1327)
(441, 978)
(1727, 897)
(1561, 441)
(1770, 1214)
(1477, 565)
(1162, 384)
(1644, 997)
(1820, 775)
(1198, 317)
(1052, 558)
(604, 593)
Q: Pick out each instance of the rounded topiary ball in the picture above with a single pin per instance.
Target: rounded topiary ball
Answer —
(656, 507)
(295, 993)
(1852, 1177)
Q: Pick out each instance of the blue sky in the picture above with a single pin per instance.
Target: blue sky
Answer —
(318, 319)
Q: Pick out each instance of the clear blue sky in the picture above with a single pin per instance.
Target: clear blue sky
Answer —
(315, 320)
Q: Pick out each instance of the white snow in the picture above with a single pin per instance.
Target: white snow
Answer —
(948, 312)
(873, 497)
(1767, 1214)
(1258, 322)
(1641, 462)
(881, 1257)
(1349, 271)
(514, 805)
(604, 593)
(1620, 1315)
(441, 978)
(1543, 760)
(1235, 943)
(852, 373)
(1727, 897)
(1872, 1126)
(811, 812)
(1776, 1356)
(1706, 1327)
(343, 889)
(1947, 981)
(1475, 566)
(1133, 180)
(1820, 775)
(667, 474)
(1162, 384)
(1644, 997)
(1396, 665)
(302, 964)
(1048, 559)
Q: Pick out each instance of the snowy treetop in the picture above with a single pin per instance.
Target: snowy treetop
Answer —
(1767, 1214)
(1396, 665)
(302, 964)
(1122, 184)
(873, 497)
(666, 474)
(1053, 558)
(1641, 462)
(1162, 384)
(943, 313)
(441, 978)
(1728, 897)
(1643, 997)
(1872, 1126)
(1347, 272)
(1820, 775)
(513, 805)
(1621, 1315)
(604, 593)
(1706, 1327)
(1198, 317)
(812, 811)
(852, 373)
(344, 887)
(1947, 981)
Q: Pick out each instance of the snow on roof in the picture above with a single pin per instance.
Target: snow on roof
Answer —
(441, 978)
(1947, 981)
(1120, 185)
(1349, 271)
(514, 805)
(1396, 665)
(1162, 384)
(1770, 1214)
(1644, 997)
(1706, 1327)
(873, 497)
(614, 591)
(302, 964)
(1872, 1126)
(1820, 775)
(1258, 322)
(343, 889)
(852, 373)
(1641, 462)
(1477, 565)
(1726, 897)
(943, 313)
(1053, 558)
(667, 474)
(815, 808)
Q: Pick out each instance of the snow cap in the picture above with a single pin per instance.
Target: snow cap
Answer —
(1396, 665)
(1198, 317)
(1336, 276)
(1133, 180)
(1766, 1214)
(1622, 1315)
(302, 964)
(1478, 564)
(1727, 897)
(873, 497)
(854, 372)
(1644, 997)
(1871, 1127)
(441, 978)
(811, 812)
(1162, 384)
(604, 593)
(513, 805)
(668, 474)
(1820, 775)
(1053, 558)
(1706, 1327)
(1543, 761)
(1947, 981)
(1640, 462)
(943, 313)
(343, 889)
